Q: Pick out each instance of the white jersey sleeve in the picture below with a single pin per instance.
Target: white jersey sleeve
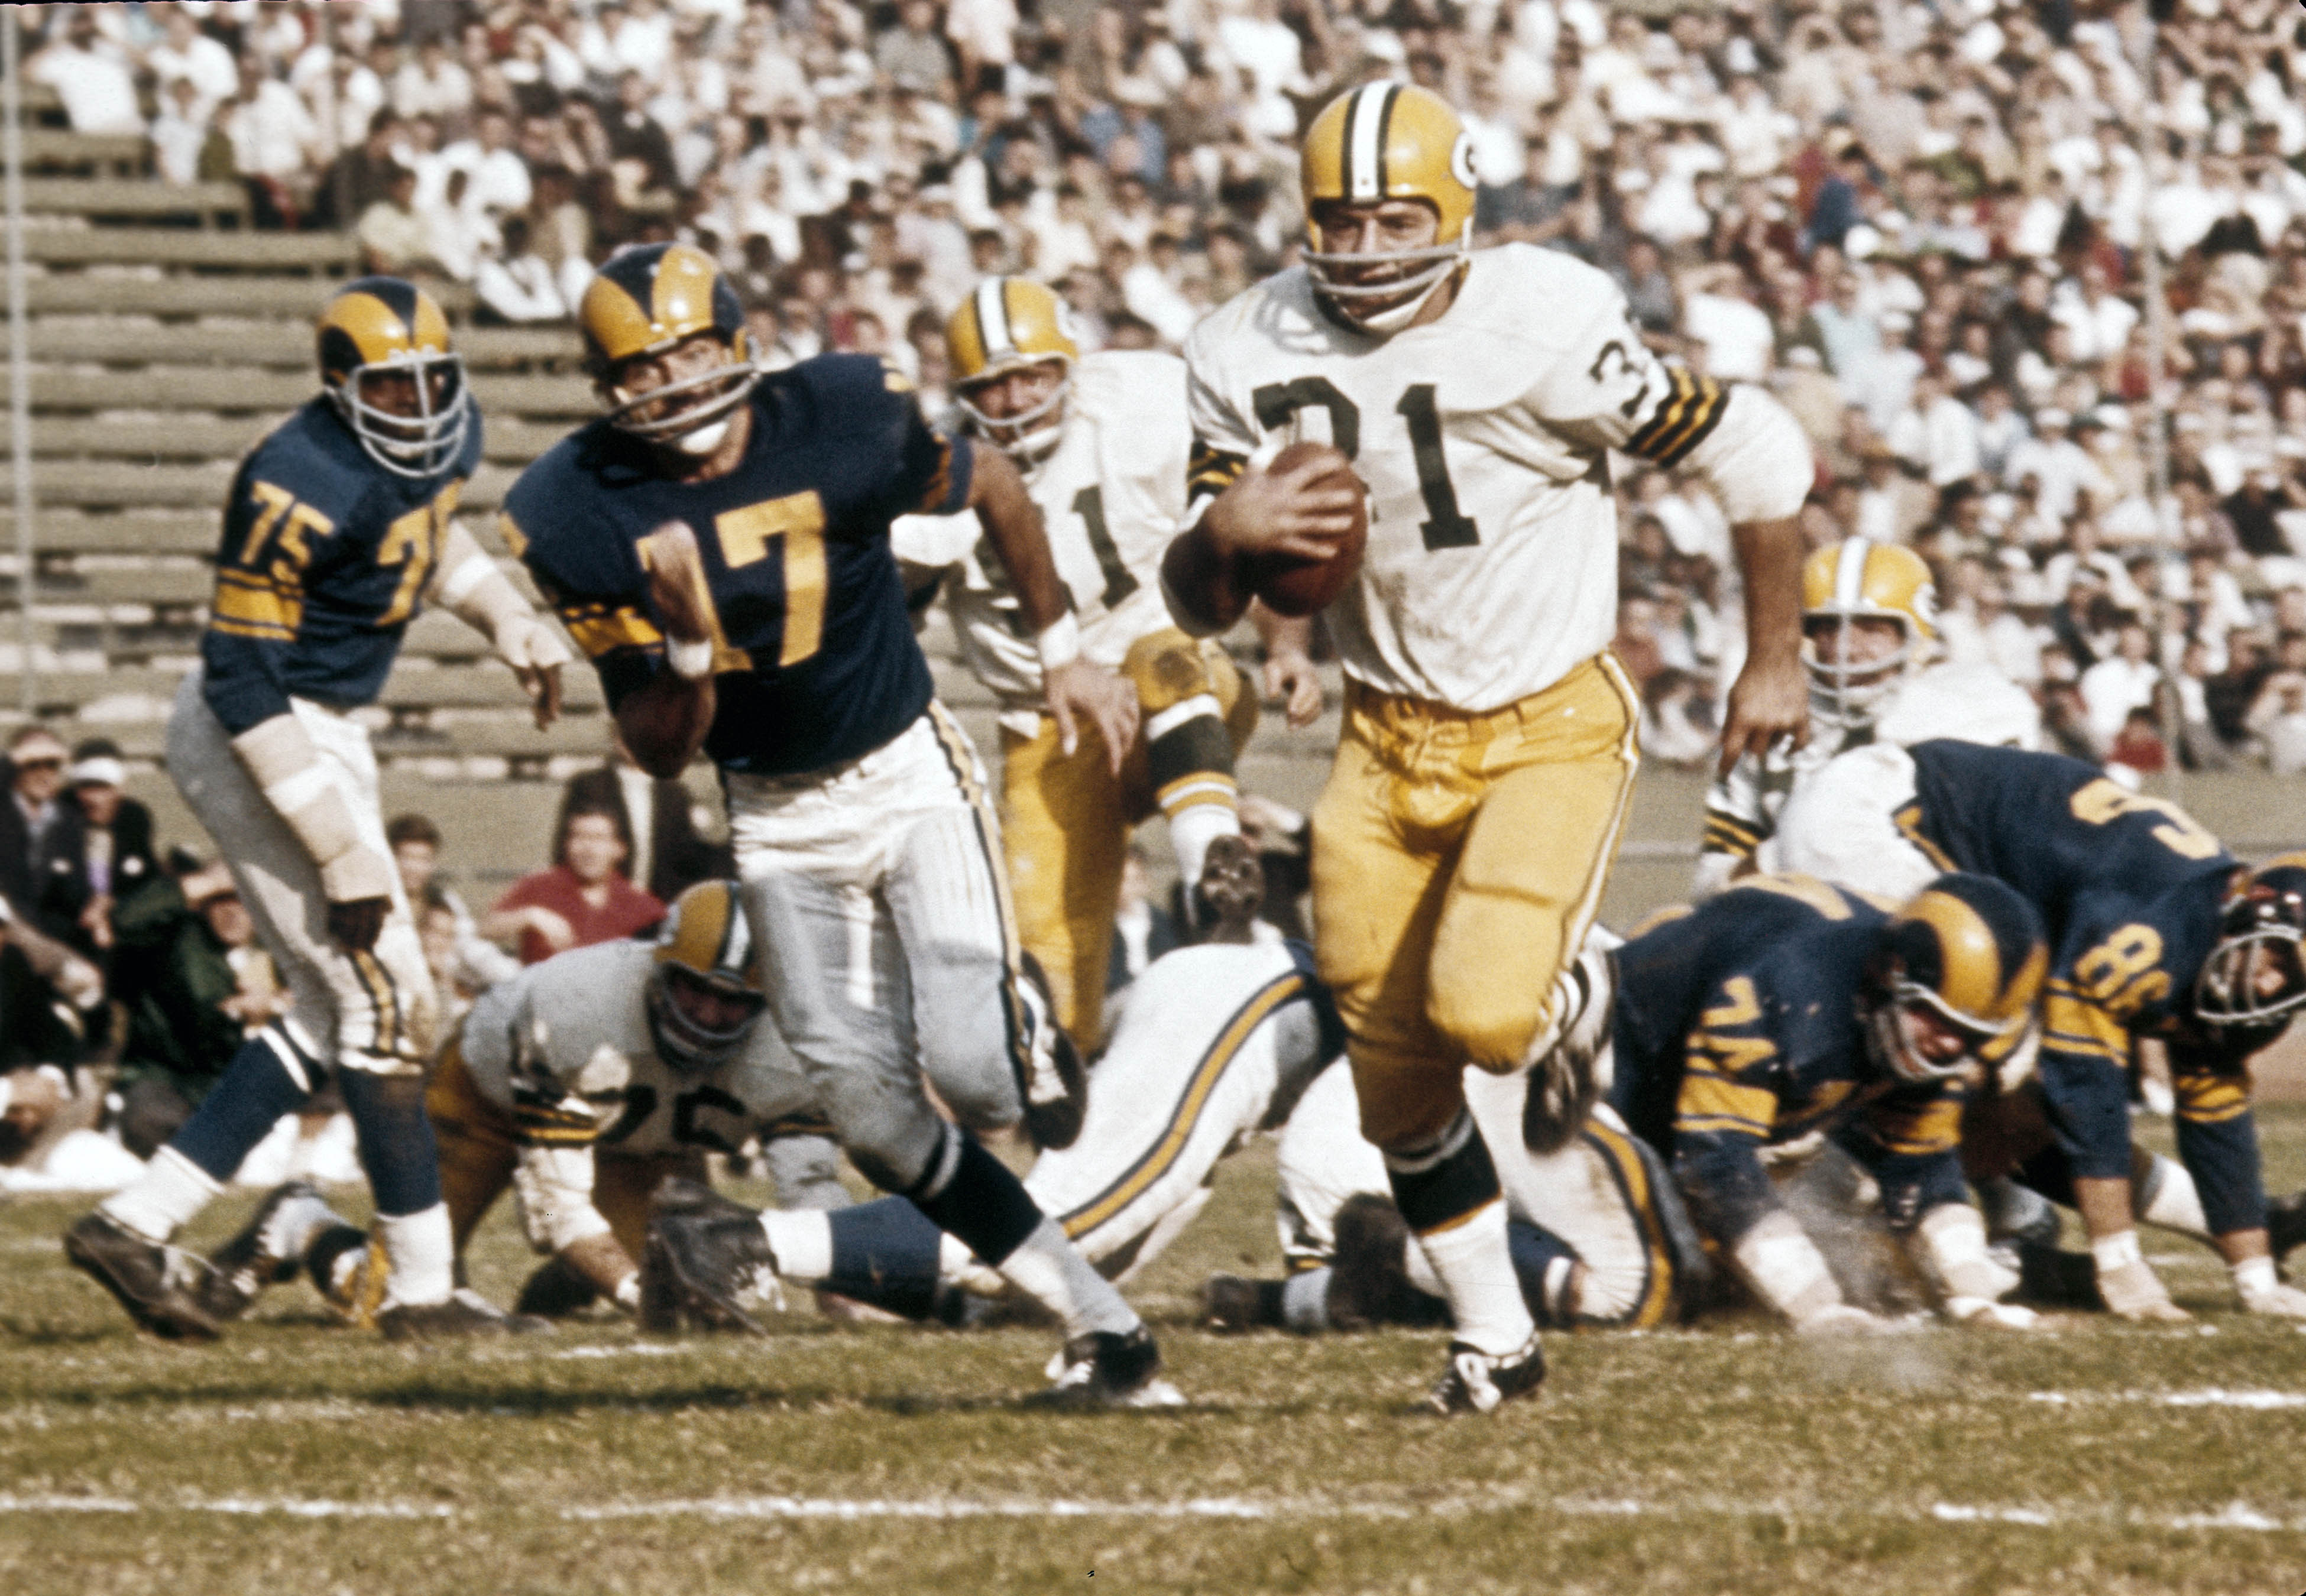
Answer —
(1970, 702)
(1839, 825)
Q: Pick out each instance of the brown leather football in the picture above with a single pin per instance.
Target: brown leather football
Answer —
(1295, 587)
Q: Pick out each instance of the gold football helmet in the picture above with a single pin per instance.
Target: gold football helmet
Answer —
(383, 328)
(644, 301)
(704, 993)
(1008, 324)
(1968, 950)
(1856, 579)
(1388, 141)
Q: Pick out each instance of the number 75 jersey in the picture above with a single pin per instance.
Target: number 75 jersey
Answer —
(1491, 568)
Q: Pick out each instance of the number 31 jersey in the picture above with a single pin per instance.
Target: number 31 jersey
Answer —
(1112, 494)
(1492, 559)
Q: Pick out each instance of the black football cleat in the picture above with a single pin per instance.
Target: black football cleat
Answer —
(140, 1276)
(2286, 1224)
(1107, 1370)
(1369, 1268)
(1231, 1303)
(1051, 1079)
(555, 1290)
(463, 1314)
(258, 1257)
(1480, 1382)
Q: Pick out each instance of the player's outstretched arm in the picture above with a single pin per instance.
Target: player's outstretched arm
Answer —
(664, 720)
(471, 588)
(279, 756)
(1771, 697)
(1075, 688)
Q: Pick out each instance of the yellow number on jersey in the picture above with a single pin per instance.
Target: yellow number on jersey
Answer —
(413, 543)
(2119, 974)
(797, 522)
(2104, 800)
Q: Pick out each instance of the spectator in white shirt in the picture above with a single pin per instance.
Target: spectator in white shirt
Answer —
(513, 284)
(186, 54)
(432, 85)
(2122, 683)
(456, 230)
(272, 133)
(2063, 466)
(91, 76)
(1937, 433)
(2277, 718)
(181, 133)
(1718, 311)
(500, 181)
(2099, 320)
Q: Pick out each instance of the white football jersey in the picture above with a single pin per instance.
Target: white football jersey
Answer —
(1491, 568)
(1112, 494)
(1219, 1041)
(585, 1068)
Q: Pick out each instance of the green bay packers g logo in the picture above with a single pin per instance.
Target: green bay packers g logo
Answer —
(1461, 161)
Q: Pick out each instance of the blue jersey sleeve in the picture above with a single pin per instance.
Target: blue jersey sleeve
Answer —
(917, 469)
(587, 570)
(1910, 1141)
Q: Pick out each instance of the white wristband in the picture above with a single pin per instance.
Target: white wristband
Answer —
(1059, 641)
(693, 661)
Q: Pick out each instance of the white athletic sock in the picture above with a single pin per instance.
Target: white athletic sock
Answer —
(423, 1253)
(1305, 1301)
(2167, 1199)
(1193, 828)
(297, 1222)
(1476, 1274)
(164, 1197)
(1049, 1269)
(802, 1240)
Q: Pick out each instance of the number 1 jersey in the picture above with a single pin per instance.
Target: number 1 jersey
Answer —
(1491, 568)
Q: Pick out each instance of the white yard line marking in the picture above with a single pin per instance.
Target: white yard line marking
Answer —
(2213, 1397)
(2235, 1516)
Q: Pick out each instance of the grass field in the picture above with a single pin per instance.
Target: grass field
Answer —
(295, 1457)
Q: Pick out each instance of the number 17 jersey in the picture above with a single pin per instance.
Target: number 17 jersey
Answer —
(1491, 568)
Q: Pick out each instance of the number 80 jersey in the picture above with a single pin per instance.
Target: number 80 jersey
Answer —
(1492, 559)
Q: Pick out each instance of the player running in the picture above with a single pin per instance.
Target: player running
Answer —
(718, 544)
(1462, 845)
(1869, 633)
(1102, 442)
(2155, 930)
(340, 525)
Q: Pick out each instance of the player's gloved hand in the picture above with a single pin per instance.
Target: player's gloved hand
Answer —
(535, 652)
(1839, 1318)
(1079, 691)
(357, 924)
(1981, 1314)
(676, 584)
(2134, 1291)
(1286, 512)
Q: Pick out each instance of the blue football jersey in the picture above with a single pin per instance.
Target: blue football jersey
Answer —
(815, 661)
(325, 557)
(2129, 887)
(1736, 1027)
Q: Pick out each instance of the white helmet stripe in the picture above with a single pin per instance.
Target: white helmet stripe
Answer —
(1365, 126)
(1849, 573)
(993, 320)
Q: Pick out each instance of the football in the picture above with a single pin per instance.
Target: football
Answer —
(1295, 586)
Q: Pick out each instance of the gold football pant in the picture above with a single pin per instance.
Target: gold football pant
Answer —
(1066, 821)
(1457, 861)
(479, 1147)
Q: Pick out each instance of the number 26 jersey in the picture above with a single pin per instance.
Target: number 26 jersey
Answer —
(1492, 559)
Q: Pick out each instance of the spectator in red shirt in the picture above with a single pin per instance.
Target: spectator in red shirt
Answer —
(582, 900)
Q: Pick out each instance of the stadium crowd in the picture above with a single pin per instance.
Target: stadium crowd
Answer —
(1922, 224)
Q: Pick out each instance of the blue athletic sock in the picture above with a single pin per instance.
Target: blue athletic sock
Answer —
(979, 1203)
(397, 1147)
(884, 1254)
(246, 1102)
(1541, 1261)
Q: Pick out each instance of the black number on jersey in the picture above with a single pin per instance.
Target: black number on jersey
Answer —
(1446, 526)
(686, 1106)
(1088, 504)
(1625, 366)
(640, 1101)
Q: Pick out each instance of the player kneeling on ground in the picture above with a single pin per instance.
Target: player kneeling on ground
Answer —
(2155, 930)
(1219, 1041)
(340, 524)
(584, 1083)
(1102, 441)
